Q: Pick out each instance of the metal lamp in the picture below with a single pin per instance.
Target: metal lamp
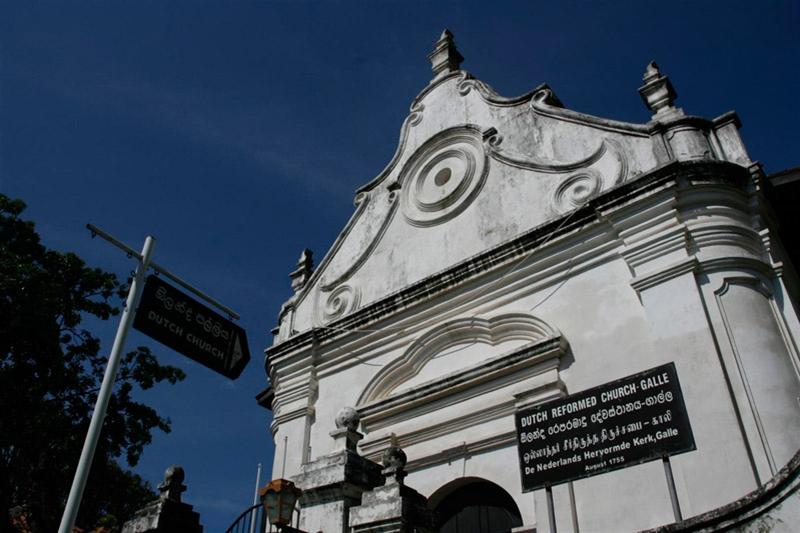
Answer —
(279, 498)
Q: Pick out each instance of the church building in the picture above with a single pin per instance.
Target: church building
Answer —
(514, 254)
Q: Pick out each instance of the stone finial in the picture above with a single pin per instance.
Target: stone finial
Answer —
(394, 461)
(445, 57)
(346, 431)
(658, 93)
(303, 270)
(172, 486)
(348, 418)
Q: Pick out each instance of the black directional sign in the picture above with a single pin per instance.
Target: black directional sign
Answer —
(632, 420)
(189, 327)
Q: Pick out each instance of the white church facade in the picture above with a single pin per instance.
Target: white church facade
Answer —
(514, 252)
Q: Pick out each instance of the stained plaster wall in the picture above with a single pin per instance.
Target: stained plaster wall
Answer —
(380, 239)
(683, 272)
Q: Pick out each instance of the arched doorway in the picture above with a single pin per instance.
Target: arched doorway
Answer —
(474, 505)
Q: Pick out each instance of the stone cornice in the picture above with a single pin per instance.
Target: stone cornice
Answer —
(498, 440)
(745, 509)
(676, 173)
(651, 279)
(373, 448)
(545, 103)
(278, 420)
(693, 264)
(448, 385)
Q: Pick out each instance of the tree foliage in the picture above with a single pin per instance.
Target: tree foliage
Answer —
(51, 368)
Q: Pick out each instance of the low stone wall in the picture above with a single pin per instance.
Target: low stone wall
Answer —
(774, 508)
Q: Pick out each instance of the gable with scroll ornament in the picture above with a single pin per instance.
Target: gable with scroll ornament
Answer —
(492, 331)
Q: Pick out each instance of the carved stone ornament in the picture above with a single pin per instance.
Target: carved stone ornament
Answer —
(444, 176)
(658, 93)
(394, 461)
(445, 58)
(576, 190)
(172, 486)
(348, 418)
(394, 457)
(342, 300)
(303, 270)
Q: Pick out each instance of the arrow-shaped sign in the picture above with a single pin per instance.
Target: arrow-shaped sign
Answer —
(189, 327)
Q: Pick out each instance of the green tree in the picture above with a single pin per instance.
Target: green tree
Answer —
(50, 372)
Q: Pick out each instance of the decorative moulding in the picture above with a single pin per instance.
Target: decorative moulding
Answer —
(467, 83)
(476, 380)
(575, 190)
(300, 412)
(363, 193)
(542, 100)
(466, 449)
(374, 446)
(677, 269)
(545, 103)
(493, 331)
(325, 285)
(697, 265)
(443, 176)
(536, 391)
(549, 167)
(668, 176)
(439, 181)
(447, 173)
(674, 238)
(341, 301)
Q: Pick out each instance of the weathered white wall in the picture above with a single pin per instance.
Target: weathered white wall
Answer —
(681, 273)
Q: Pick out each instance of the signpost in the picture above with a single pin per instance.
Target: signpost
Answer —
(189, 327)
(170, 317)
(626, 422)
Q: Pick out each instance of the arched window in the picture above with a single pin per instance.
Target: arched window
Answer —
(478, 506)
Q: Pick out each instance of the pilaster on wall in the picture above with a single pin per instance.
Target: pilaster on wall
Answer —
(761, 362)
(294, 415)
(708, 288)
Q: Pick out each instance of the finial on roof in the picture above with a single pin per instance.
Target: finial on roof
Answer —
(445, 57)
(303, 270)
(394, 461)
(651, 71)
(346, 432)
(658, 93)
(172, 486)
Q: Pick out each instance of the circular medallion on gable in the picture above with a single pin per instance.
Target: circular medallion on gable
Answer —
(443, 176)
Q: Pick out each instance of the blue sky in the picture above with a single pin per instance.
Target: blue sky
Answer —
(237, 132)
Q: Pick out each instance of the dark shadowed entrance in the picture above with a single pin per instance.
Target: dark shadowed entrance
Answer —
(475, 505)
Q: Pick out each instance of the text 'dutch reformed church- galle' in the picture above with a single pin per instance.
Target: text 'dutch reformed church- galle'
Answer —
(532, 314)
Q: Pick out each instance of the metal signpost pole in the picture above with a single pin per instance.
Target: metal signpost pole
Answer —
(573, 508)
(673, 495)
(551, 509)
(98, 416)
(254, 514)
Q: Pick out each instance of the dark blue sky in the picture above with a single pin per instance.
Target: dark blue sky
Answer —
(236, 133)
